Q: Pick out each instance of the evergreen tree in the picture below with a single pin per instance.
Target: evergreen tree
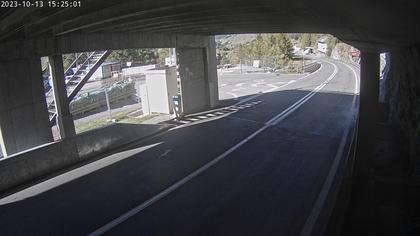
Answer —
(331, 42)
(308, 40)
(134, 55)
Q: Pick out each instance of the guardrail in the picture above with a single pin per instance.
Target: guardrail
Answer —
(312, 67)
(101, 103)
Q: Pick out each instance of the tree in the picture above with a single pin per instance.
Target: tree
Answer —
(331, 42)
(163, 53)
(273, 49)
(308, 40)
(142, 56)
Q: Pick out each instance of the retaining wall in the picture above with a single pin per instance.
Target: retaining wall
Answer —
(34, 163)
(404, 103)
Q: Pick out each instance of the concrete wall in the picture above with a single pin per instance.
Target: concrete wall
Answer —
(100, 140)
(404, 103)
(137, 70)
(24, 121)
(25, 166)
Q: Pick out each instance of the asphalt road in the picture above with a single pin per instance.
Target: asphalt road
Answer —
(255, 169)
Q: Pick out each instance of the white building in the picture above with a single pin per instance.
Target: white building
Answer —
(322, 45)
(106, 70)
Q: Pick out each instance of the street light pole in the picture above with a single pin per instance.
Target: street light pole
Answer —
(108, 104)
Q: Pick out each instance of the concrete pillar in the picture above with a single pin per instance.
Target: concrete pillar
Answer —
(212, 73)
(24, 119)
(198, 74)
(64, 118)
(368, 111)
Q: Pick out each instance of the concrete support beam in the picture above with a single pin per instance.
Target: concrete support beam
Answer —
(24, 119)
(64, 118)
(368, 111)
(71, 43)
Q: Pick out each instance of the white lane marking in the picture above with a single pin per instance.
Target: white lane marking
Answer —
(164, 154)
(232, 94)
(292, 81)
(274, 87)
(303, 100)
(326, 187)
(271, 90)
(282, 82)
(72, 175)
(356, 79)
(105, 228)
(246, 99)
(257, 84)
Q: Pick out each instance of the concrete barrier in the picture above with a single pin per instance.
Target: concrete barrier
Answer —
(101, 140)
(34, 163)
(310, 68)
(25, 166)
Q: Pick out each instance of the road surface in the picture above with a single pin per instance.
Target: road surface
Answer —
(254, 168)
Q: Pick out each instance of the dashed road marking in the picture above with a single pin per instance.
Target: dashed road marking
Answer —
(257, 84)
(164, 154)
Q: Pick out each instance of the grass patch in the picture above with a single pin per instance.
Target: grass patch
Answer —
(121, 117)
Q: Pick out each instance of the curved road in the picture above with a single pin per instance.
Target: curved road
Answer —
(256, 168)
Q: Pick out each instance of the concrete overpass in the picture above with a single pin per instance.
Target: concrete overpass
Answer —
(373, 27)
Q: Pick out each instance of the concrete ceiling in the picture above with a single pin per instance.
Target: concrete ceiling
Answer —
(374, 24)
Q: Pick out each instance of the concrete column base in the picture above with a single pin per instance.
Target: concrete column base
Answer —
(66, 126)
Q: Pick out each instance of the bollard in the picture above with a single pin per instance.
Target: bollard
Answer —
(177, 106)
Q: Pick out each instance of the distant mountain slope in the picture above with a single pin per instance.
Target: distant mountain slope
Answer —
(230, 40)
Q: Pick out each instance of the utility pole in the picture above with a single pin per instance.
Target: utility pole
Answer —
(108, 104)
